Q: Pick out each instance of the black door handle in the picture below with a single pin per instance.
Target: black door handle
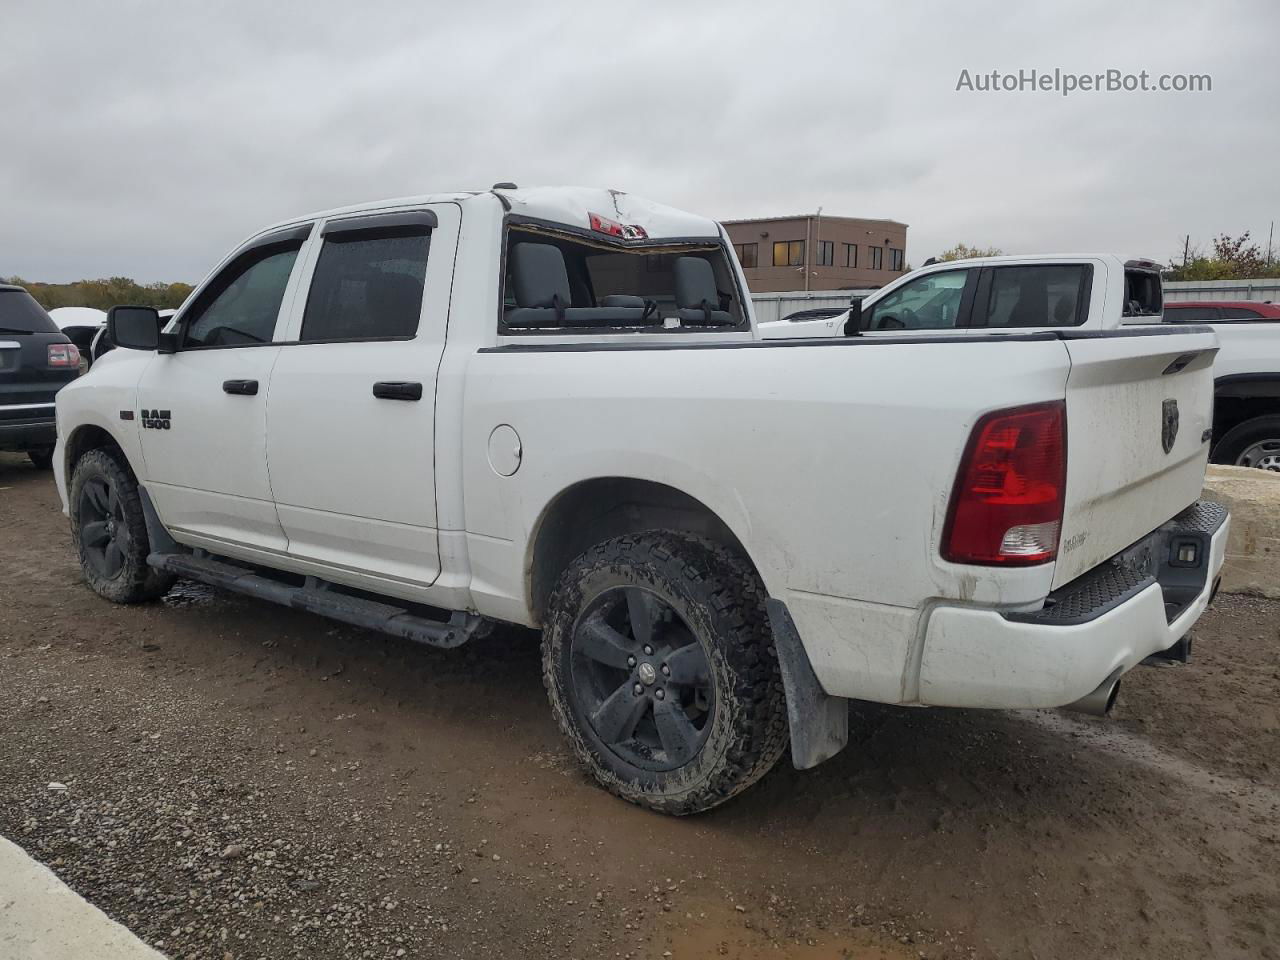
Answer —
(241, 388)
(397, 390)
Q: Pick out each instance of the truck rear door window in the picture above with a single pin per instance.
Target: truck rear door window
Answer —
(20, 313)
(554, 283)
(367, 286)
(1053, 295)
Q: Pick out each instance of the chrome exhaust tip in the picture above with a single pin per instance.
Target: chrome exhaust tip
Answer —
(1101, 700)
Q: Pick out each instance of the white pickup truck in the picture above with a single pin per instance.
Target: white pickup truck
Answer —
(551, 407)
(996, 295)
(1085, 292)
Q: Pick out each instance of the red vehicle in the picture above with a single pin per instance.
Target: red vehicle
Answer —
(1213, 311)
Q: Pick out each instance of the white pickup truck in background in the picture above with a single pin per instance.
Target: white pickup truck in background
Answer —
(552, 408)
(1084, 292)
(996, 295)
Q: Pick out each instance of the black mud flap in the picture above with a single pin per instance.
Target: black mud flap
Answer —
(819, 722)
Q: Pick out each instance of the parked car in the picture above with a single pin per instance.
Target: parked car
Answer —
(36, 360)
(551, 408)
(997, 294)
(1246, 414)
(81, 326)
(1213, 311)
(1089, 292)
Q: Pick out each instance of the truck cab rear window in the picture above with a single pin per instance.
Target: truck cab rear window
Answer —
(556, 282)
(1143, 296)
(19, 313)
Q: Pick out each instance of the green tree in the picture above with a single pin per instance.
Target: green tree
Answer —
(103, 294)
(1233, 258)
(962, 251)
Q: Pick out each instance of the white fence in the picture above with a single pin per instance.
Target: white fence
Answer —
(775, 306)
(1268, 289)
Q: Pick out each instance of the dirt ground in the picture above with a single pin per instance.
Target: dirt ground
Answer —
(241, 781)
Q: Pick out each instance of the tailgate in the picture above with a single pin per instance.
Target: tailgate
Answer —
(1139, 411)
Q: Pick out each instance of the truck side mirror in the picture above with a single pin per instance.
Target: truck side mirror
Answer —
(134, 328)
(853, 326)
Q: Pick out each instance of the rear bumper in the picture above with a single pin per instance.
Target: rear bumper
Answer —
(27, 427)
(1110, 619)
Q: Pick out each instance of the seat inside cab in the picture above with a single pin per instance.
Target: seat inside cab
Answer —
(555, 282)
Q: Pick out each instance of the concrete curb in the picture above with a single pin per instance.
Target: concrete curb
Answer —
(41, 918)
(1253, 548)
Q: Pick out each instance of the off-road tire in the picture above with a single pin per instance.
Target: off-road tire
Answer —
(721, 600)
(41, 458)
(1244, 435)
(135, 582)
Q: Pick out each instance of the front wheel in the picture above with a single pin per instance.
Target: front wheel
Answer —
(110, 531)
(1253, 443)
(659, 665)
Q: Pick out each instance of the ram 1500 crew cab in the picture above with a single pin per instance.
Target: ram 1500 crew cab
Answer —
(551, 407)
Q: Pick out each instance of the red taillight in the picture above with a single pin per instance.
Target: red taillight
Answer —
(1006, 508)
(613, 228)
(64, 355)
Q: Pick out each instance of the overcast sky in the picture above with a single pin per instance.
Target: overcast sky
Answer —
(145, 140)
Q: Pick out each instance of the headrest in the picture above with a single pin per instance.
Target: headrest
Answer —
(695, 283)
(539, 275)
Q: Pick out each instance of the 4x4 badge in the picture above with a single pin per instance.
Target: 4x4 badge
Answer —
(1169, 425)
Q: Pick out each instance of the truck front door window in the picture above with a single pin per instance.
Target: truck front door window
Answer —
(243, 303)
(931, 302)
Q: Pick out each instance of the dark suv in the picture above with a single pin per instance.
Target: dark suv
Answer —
(35, 361)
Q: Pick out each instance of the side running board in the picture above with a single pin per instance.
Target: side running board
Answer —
(319, 596)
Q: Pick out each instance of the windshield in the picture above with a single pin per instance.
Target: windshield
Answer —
(19, 313)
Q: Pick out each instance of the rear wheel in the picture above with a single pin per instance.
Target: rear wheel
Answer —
(41, 457)
(1253, 443)
(658, 662)
(110, 532)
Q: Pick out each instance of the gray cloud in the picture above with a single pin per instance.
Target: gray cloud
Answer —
(145, 139)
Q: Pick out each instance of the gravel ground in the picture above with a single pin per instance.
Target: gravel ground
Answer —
(235, 780)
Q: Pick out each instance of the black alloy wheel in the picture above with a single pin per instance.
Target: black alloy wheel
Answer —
(641, 679)
(104, 533)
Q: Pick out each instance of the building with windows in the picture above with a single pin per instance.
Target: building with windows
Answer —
(816, 252)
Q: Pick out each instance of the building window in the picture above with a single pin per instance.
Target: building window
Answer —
(826, 253)
(788, 253)
(747, 253)
(877, 258)
(895, 259)
(850, 254)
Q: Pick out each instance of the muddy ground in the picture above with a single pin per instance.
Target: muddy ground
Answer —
(246, 781)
